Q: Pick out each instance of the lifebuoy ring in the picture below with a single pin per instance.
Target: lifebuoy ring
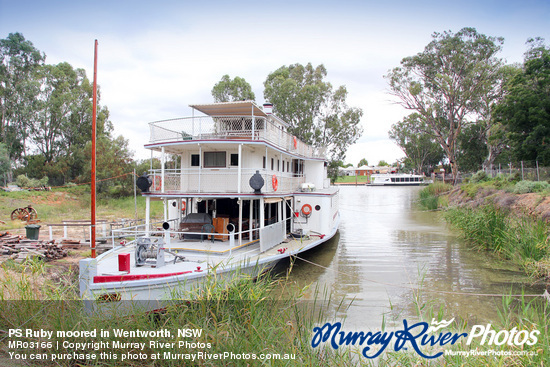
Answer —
(306, 210)
(158, 183)
(295, 142)
(274, 182)
(183, 205)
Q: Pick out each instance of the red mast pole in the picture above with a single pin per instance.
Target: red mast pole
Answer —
(94, 118)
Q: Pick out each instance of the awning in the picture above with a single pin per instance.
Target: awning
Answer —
(272, 200)
(239, 108)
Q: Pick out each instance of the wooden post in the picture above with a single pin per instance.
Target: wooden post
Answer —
(94, 120)
(135, 195)
(522, 170)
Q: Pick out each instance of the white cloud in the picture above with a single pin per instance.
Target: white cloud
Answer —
(155, 59)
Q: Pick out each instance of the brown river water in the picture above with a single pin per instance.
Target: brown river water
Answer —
(386, 249)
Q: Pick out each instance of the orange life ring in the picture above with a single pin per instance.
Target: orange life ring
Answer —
(182, 205)
(158, 183)
(306, 210)
(274, 182)
(295, 142)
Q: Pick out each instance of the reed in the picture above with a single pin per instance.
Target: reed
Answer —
(523, 240)
(242, 315)
(519, 312)
(430, 197)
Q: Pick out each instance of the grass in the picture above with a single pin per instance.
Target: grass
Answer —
(71, 203)
(506, 183)
(352, 179)
(520, 239)
(430, 197)
(522, 313)
(243, 316)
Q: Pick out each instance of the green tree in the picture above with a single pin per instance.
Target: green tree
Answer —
(317, 113)
(446, 82)
(472, 147)
(114, 165)
(525, 111)
(493, 132)
(229, 90)
(5, 164)
(421, 148)
(363, 162)
(19, 63)
(62, 116)
(383, 163)
(60, 128)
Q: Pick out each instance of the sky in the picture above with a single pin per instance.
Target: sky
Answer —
(156, 58)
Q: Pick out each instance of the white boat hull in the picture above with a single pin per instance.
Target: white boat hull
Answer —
(156, 293)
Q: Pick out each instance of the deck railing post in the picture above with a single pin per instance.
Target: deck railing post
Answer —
(239, 169)
(253, 122)
(147, 215)
(163, 160)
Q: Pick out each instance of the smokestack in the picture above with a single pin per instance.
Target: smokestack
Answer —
(268, 108)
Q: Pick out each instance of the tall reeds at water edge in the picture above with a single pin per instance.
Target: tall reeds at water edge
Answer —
(429, 197)
(243, 316)
(523, 240)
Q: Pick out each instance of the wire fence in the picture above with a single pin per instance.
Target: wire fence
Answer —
(526, 170)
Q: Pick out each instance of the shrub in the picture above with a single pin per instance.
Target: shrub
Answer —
(514, 177)
(24, 181)
(525, 187)
(479, 176)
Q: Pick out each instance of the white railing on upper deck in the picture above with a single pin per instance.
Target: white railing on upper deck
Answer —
(230, 127)
(221, 180)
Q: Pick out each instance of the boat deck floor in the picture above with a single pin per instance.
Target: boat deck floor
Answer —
(197, 254)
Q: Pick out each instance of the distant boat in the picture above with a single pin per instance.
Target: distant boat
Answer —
(246, 194)
(397, 179)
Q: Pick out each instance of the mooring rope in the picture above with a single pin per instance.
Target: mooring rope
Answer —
(545, 295)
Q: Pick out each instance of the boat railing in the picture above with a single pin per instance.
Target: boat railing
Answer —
(269, 235)
(229, 128)
(222, 180)
(121, 235)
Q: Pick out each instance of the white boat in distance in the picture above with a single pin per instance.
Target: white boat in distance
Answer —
(397, 179)
(243, 185)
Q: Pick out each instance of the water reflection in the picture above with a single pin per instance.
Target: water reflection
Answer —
(386, 246)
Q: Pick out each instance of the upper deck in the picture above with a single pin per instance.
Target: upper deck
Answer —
(230, 122)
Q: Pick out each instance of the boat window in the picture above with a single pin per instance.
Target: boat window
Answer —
(264, 163)
(214, 159)
(234, 160)
(407, 179)
(272, 164)
(393, 179)
(195, 160)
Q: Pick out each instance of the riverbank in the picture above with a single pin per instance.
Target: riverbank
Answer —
(391, 262)
(247, 317)
(499, 216)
